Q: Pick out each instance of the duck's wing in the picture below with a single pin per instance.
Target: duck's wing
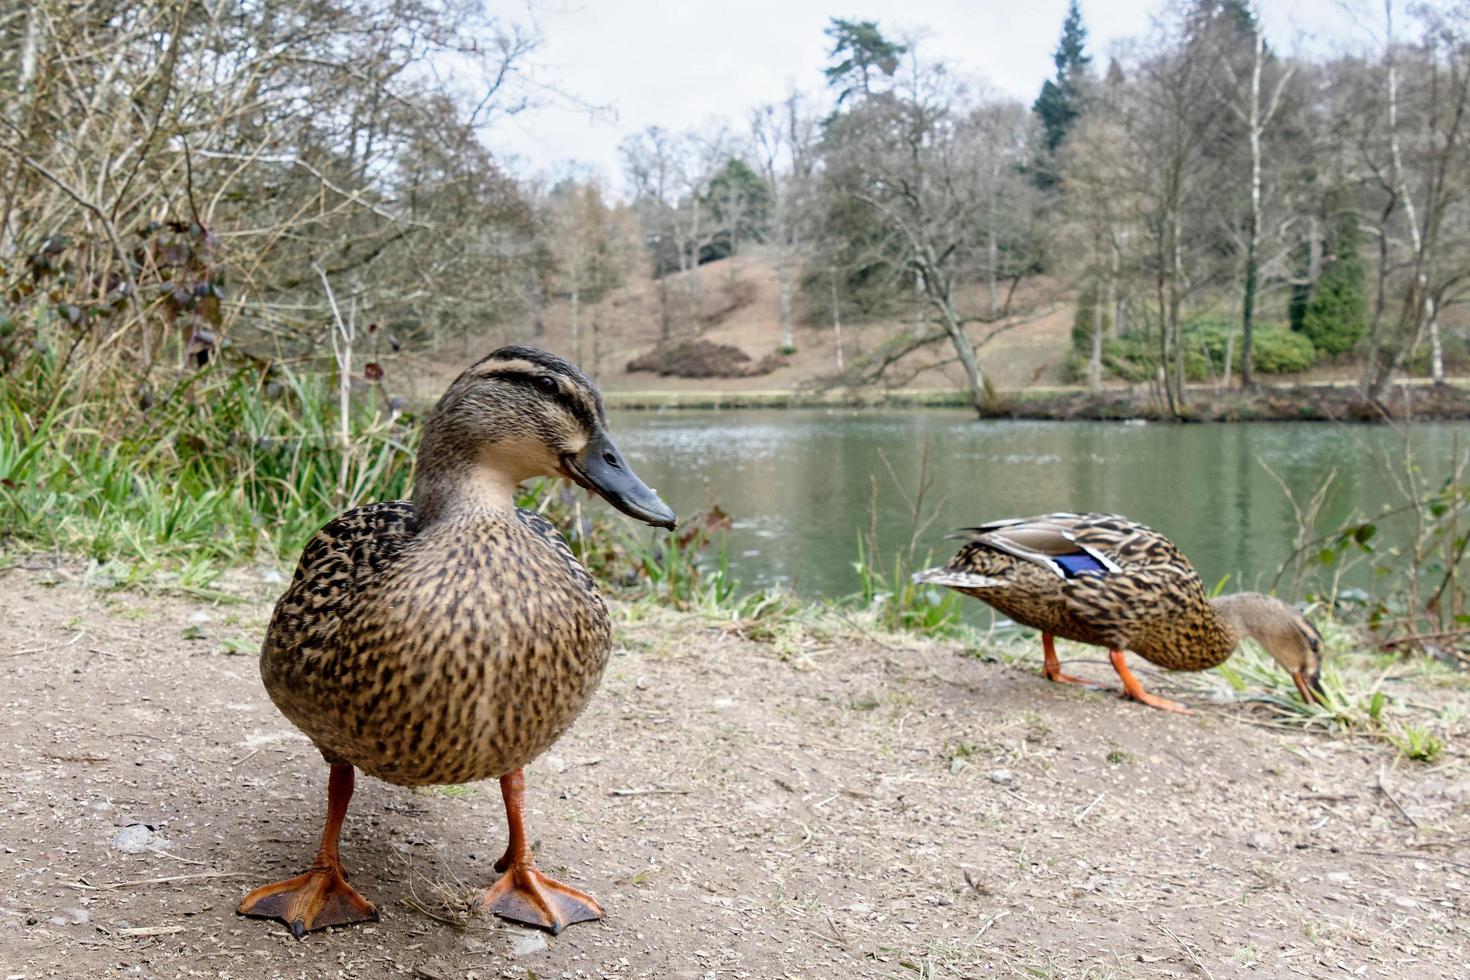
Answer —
(1151, 580)
(340, 560)
(1111, 572)
(1049, 542)
(1034, 554)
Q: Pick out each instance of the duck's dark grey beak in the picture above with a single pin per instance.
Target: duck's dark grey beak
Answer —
(600, 467)
(1309, 686)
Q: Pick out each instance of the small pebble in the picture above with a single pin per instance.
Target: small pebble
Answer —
(137, 838)
(1002, 777)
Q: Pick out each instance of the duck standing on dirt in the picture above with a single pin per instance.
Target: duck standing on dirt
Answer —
(453, 637)
(1112, 582)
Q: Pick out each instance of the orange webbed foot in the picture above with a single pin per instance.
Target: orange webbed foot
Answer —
(319, 898)
(1134, 690)
(525, 895)
(1057, 677)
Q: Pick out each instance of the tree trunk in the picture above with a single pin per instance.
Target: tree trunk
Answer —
(1176, 301)
(1436, 347)
(576, 329)
(1253, 235)
(1373, 350)
(663, 307)
(1412, 318)
(982, 394)
(1161, 285)
(1116, 303)
(1314, 255)
(1411, 322)
(1247, 314)
(918, 303)
(783, 304)
(596, 372)
(1094, 363)
(691, 278)
(1229, 359)
(18, 110)
(992, 247)
(836, 320)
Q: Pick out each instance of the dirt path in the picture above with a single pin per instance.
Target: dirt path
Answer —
(815, 808)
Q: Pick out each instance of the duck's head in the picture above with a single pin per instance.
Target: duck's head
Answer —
(1287, 635)
(516, 414)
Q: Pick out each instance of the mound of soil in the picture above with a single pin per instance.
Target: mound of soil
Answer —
(703, 359)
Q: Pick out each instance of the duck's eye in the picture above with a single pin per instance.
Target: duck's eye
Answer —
(546, 385)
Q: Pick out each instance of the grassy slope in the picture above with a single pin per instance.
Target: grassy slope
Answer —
(1030, 353)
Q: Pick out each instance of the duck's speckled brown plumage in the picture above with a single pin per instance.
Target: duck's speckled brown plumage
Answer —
(1151, 602)
(1155, 605)
(440, 655)
(455, 637)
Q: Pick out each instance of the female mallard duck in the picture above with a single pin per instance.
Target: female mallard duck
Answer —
(1106, 580)
(453, 637)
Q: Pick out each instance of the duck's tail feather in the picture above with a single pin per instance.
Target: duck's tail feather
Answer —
(955, 579)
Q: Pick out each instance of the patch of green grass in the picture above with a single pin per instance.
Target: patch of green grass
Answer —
(1357, 699)
(1353, 699)
(1417, 743)
(1118, 756)
(217, 467)
(639, 878)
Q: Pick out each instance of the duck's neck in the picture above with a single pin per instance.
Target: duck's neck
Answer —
(451, 483)
(1244, 614)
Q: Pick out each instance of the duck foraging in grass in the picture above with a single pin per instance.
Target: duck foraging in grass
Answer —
(1111, 582)
(453, 637)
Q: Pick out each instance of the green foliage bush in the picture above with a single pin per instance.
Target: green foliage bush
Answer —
(1082, 321)
(1277, 350)
(1135, 358)
(1336, 317)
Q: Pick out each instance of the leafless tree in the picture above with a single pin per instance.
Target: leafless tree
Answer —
(176, 169)
(784, 135)
(932, 163)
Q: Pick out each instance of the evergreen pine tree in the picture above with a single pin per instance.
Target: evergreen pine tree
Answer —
(859, 53)
(1337, 316)
(1060, 103)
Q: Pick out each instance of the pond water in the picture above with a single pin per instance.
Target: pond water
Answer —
(799, 484)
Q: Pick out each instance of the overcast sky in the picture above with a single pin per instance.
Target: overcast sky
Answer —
(683, 64)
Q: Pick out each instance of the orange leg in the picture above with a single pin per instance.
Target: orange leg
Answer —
(321, 897)
(1133, 689)
(1052, 667)
(524, 894)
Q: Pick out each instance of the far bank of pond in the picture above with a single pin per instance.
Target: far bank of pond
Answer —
(1297, 403)
(798, 482)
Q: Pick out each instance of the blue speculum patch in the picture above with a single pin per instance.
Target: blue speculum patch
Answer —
(1080, 564)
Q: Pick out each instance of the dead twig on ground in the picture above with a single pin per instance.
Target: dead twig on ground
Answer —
(43, 648)
(652, 791)
(1193, 956)
(83, 884)
(1078, 817)
(1394, 800)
